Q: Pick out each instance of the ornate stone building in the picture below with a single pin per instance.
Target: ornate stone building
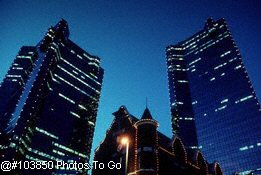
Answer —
(142, 150)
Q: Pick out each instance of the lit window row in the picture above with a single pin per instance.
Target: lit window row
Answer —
(202, 36)
(244, 99)
(74, 114)
(28, 138)
(79, 56)
(23, 56)
(224, 101)
(188, 118)
(69, 150)
(222, 74)
(66, 98)
(175, 48)
(67, 62)
(95, 64)
(55, 81)
(176, 55)
(54, 78)
(237, 67)
(92, 59)
(212, 79)
(30, 130)
(43, 154)
(182, 81)
(46, 133)
(179, 102)
(214, 42)
(191, 51)
(220, 108)
(55, 47)
(219, 66)
(58, 152)
(195, 61)
(21, 150)
(14, 76)
(194, 102)
(82, 107)
(207, 46)
(17, 68)
(185, 118)
(78, 79)
(85, 55)
(95, 77)
(233, 59)
(48, 34)
(75, 87)
(213, 28)
(23, 142)
(192, 39)
(246, 148)
(190, 45)
(224, 54)
(178, 69)
(175, 58)
(91, 123)
(75, 72)
(49, 87)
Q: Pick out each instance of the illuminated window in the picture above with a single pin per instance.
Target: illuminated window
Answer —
(224, 101)
(66, 98)
(74, 114)
(237, 67)
(46, 133)
(224, 54)
(244, 99)
(212, 79)
(220, 108)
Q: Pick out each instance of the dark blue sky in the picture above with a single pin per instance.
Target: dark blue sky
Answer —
(130, 38)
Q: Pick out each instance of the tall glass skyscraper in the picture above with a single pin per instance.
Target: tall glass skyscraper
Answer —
(212, 99)
(48, 102)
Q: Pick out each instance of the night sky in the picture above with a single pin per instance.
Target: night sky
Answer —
(130, 38)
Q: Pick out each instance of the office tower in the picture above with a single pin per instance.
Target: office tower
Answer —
(49, 100)
(209, 84)
(141, 149)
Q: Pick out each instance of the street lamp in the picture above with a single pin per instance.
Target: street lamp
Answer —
(125, 141)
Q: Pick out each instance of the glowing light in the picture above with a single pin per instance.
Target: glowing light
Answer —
(124, 141)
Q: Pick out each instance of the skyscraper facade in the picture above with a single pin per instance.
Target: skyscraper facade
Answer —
(211, 96)
(48, 102)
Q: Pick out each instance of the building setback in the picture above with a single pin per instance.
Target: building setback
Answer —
(211, 96)
(146, 150)
(48, 103)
